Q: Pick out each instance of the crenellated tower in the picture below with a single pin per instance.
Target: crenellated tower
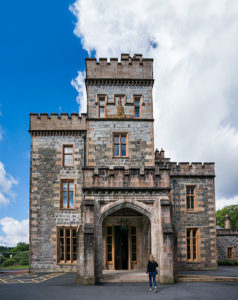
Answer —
(120, 112)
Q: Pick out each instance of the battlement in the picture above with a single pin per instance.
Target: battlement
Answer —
(56, 122)
(122, 177)
(192, 169)
(135, 67)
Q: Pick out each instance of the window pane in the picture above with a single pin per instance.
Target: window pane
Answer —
(123, 140)
(192, 202)
(134, 256)
(137, 112)
(109, 256)
(68, 150)
(71, 199)
(109, 230)
(133, 230)
(68, 161)
(134, 248)
(67, 233)
(109, 248)
(101, 102)
(109, 239)
(116, 139)
(123, 150)
(116, 149)
(133, 239)
(64, 199)
(137, 103)
(64, 186)
(71, 186)
(188, 202)
(101, 111)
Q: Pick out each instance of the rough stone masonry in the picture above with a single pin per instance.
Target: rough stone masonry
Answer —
(102, 199)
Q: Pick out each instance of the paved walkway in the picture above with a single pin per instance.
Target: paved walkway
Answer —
(65, 287)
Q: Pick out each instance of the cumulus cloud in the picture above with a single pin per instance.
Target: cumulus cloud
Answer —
(195, 53)
(79, 85)
(14, 231)
(6, 184)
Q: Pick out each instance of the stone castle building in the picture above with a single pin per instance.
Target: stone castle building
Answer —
(101, 198)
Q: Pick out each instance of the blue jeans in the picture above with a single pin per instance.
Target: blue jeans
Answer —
(152, 275)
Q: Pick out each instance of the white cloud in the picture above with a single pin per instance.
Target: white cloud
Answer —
(6, 184)
(79, 85)
(14, 231)
(195, 49)
(227, 201)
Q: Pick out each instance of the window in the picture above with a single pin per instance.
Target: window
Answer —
(192, 244)
(230, 253)
(119, 141)
(137, 106)
(101, 101)
(67, 194)
(190, 197)
(67, 155)
(109, 244)
(67, 245)
(133, 244)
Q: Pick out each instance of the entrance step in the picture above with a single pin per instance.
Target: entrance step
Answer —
(122, 276)
(204, 278)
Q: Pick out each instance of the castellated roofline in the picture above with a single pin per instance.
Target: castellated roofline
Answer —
(57, 122)
(135, 67)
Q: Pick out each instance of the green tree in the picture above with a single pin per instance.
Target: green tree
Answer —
(232, 211)
(20, 247)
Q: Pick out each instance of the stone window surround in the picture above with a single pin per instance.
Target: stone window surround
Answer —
(62, 180)
(63, 154)
(105, 103)
(195, 209)
(232, 252)
(197, 260)
(58, 228)
(127, 148)
(140, 104)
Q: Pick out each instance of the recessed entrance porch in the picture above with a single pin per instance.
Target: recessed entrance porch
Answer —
(126, 240)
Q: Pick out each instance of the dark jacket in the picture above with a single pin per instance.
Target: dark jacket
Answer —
(151, 266)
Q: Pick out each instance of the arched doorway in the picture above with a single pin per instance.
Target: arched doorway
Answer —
(126, 237)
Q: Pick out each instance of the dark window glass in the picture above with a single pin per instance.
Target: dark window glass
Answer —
(123, 150)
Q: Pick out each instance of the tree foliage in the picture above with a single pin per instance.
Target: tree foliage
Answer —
(20, 247)
(232, 211)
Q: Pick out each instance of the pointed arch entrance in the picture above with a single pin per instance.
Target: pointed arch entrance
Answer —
(126, 235)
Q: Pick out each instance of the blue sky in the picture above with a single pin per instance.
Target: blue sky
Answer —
(39, 56)
(194, 45)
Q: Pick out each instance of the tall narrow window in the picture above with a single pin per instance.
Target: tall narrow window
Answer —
(68, 155)
(190, 197)
(102, 100)
(137, 106)
(230, 253)
(133, 244)
(67, 245)
(109, 244)
(67, 194)
(120, 145)
(192, 244)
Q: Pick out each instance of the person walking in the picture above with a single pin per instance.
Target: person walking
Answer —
(152, 271)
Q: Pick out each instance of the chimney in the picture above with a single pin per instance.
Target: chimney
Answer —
(227, 222)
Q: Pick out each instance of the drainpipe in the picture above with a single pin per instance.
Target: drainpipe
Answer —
(174, 187)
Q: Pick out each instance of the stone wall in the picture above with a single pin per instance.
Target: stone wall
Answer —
(126, 92)
(227, 238)
(202, 218)
(45, 213)
(139, 146)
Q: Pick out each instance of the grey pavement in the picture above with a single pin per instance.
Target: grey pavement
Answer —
(65, 287)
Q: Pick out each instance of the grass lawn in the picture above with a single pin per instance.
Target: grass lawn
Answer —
(14, 267)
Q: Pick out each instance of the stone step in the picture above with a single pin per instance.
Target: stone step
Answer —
(124, 278)
(204, 278)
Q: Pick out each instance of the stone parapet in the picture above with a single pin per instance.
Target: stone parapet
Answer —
(191, 169)
(227, 232)
(135, 67)
(121, 177)
(56, 122)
